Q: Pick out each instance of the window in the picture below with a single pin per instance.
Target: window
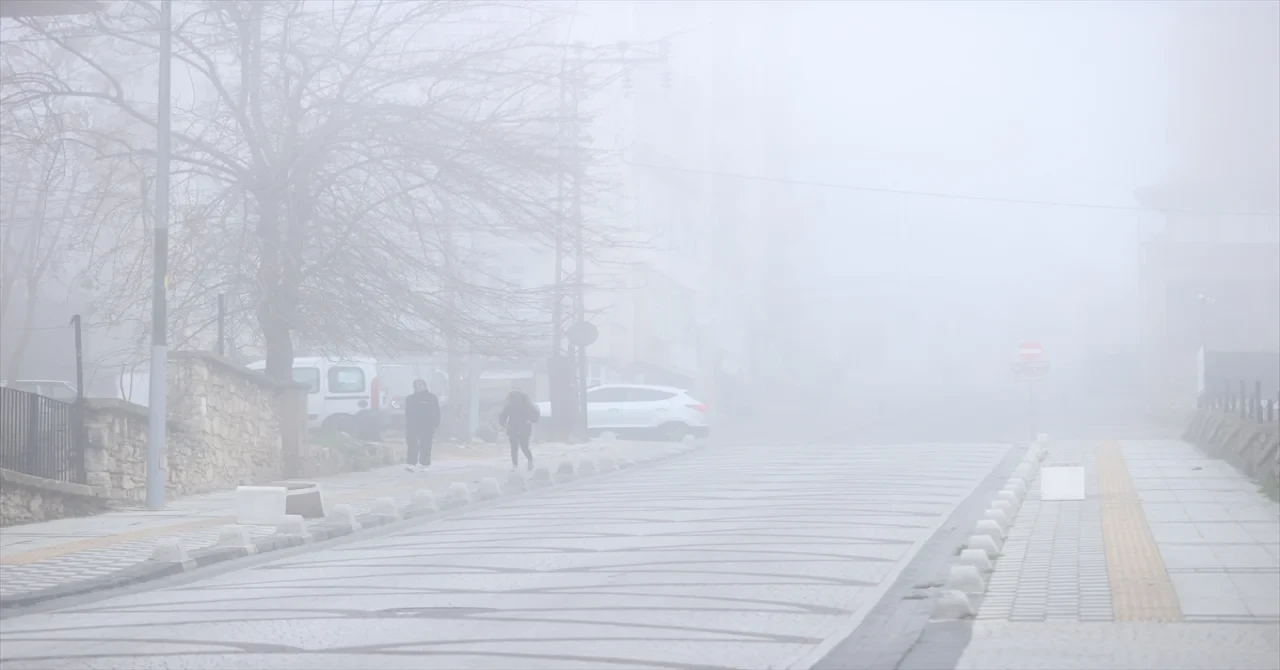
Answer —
(344, 379)
(309, 377)
(648, 395)
(607, 395)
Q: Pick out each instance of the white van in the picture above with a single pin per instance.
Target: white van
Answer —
(338, 389)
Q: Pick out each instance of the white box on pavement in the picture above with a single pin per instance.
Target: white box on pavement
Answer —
(260, 505)
(1064, 482)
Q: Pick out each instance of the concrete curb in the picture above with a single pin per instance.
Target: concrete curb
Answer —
(978, 556)
(170, 557)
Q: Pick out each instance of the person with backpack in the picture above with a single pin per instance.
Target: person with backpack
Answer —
(518, 417)
(421, 419)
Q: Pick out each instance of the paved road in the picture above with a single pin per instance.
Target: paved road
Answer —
(746, 557)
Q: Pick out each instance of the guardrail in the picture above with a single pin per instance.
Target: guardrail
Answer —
(41, 436)
(1238, 398)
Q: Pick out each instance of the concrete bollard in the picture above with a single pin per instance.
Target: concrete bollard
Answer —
(386, 507)
(423, 500)
(986, 543)
(1044, 453)
(459, 494)
(607, 464)
(977, 558)
(991, 529)
(516, 482)
(1005, 506)
(607, 436)
(1023, 471)
(1011, 496)
(235, 537)
(1017, 486)
(293, 526)
(489, 489)
(169, 550)
(952, 604)
(586, 467)
(966, 579)
(1000, 518)
(541, 477)
(565, 472)
(343, 515)
(625, 463)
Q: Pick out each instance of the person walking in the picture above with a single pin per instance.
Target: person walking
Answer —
(421, 418)
(518, 417)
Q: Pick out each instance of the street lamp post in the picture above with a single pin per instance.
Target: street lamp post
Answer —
(159, 282)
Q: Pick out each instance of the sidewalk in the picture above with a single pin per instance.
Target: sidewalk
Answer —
(1171, 561)
(38, 556)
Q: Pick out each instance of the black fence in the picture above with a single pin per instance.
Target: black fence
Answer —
(41, 436)
(1244, 399)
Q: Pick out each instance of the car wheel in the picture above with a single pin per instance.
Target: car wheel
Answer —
(672, 432)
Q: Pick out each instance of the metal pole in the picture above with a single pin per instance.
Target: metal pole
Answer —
(75, 324)
(222, 324)
(580, 267)
(160, 279)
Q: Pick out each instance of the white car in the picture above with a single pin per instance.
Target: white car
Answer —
(642, 411)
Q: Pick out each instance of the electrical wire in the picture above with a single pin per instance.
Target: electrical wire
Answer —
(941, 195)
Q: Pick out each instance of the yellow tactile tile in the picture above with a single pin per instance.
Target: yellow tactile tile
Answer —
(1140, 585)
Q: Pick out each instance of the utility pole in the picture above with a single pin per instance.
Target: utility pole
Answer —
(569, 391)
(160, 279)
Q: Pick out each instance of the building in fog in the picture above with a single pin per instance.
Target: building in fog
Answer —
(1213, 279)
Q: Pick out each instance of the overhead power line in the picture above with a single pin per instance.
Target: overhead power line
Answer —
(947, 196)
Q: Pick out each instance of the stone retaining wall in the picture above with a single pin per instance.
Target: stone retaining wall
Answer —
(224, 428)
(227, 426)
(1252, 447)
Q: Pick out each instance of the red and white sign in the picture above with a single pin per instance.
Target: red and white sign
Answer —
(1030, 351)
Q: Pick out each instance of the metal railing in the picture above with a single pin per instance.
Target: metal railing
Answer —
(41, 436)
(1238, 398)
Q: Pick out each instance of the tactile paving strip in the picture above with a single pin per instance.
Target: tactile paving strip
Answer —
(1140, 586)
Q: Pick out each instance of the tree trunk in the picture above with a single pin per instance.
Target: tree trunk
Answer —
(274, 309)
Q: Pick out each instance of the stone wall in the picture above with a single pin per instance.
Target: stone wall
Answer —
(225, 428)
(24, 499)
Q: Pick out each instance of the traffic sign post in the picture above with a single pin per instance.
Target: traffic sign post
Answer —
(1031, 367)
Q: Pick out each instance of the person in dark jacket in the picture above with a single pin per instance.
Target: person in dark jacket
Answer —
(421, 418)
(518, 417)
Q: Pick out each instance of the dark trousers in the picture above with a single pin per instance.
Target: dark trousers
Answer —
(419, 442)
(519, 437)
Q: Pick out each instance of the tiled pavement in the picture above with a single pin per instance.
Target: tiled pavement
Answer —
(1171, 561)
(54, 553)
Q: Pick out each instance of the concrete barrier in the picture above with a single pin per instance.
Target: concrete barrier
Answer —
(978, 558)
(586, 467)
(260, 505)
(607, 464)
(1000, 518)
(386, 507)
(235, 537)
(459, 495)
(966, 579)
(565, 472)
(990, 529)
(489, 489)
(169, 550)
(293, 525)
(541, 477)
(516, 482)
(952, 604)
(985, 543)
(422, 502)
(1251, 447)
(344, 517)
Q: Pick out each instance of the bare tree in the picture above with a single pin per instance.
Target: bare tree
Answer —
(316, 147)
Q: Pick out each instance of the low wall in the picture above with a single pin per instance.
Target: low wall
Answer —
(225, 428)
(24, 499)
(1252, 447)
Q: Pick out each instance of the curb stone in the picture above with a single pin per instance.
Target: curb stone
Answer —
(339, 523)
